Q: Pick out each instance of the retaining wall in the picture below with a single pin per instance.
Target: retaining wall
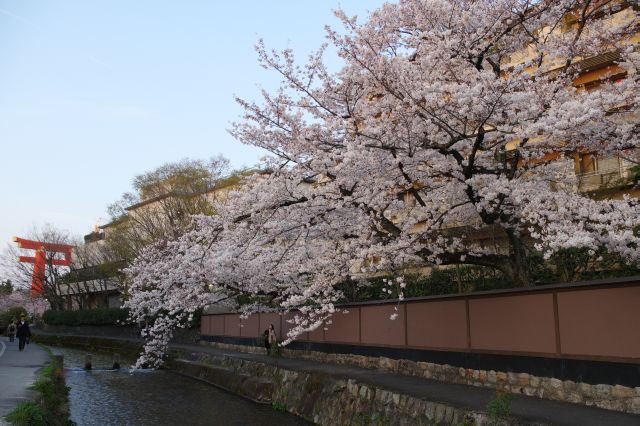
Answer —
(126, 331)
(327, 400)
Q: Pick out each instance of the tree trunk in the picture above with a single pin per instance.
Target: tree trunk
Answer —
(57, 304)
(515, 268)
(516, 273)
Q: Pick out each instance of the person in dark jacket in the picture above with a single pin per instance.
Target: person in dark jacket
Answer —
(23, 332)
(267, 345)
(11, 330)
(270, 340)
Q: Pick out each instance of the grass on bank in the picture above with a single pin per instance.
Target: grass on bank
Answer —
(499, 408)
(51, 404)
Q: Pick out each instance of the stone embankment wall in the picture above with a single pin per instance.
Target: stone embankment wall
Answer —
(611, 397)
(324, 399)
(126, 348)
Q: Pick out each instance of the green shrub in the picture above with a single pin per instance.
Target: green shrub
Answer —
(499, 408)
(279, 406)
(635, 173)
(196, 319)
(567, 265)
(275, 350)
(439, 281)
(103, 316)
(26, 413)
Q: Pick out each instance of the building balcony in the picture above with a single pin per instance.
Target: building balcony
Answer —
(605, 179)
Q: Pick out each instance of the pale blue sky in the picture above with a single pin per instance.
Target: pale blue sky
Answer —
(94, 92)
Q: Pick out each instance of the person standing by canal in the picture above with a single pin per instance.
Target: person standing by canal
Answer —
(266, 340)
(272, 339)
(11, 330)
(23, 332)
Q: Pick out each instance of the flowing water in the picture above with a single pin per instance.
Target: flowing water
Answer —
(154, 397)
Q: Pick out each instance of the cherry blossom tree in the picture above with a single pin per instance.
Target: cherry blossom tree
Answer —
(22, 299)
(447, 138)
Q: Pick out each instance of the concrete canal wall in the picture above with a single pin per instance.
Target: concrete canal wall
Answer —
(325, 399)
(129, 349)
(126, 331)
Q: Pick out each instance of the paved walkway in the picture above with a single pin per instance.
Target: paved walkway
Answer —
(18, 370)
(471, 397)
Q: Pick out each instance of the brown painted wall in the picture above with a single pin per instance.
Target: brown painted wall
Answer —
(231, 325)
(437, 324)
(378, 329)
(205, 327)
(216, 325)
(345, 328)
(317, 335)
(250, 326)
(600, 322)
(513, 323)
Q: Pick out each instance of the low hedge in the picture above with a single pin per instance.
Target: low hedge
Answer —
(103, 316)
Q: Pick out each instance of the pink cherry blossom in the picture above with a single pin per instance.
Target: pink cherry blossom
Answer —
(448, 117)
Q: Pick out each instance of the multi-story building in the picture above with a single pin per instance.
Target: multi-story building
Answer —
(617, 174)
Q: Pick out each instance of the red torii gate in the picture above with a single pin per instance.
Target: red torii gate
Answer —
(40, 260)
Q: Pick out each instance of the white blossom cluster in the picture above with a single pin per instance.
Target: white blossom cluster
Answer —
(448, 117)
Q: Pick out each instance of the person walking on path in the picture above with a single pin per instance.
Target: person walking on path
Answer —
(11, 330)
(23, 332)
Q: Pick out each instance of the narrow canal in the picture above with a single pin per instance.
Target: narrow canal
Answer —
(154, 397)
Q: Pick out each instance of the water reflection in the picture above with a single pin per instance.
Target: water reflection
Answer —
(119, 397)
